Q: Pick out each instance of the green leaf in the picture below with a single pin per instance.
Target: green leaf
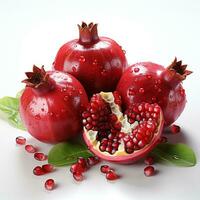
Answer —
(9, 110)
(67, 153)
(177, 154)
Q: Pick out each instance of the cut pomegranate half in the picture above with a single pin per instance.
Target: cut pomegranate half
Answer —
(117, 137)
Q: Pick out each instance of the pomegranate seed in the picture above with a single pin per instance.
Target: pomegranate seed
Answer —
(92, 161)
(149, 171)
(105, 169)
(48, 168)
(20, 140)
(30, 148)
(175, 129)
(111, 176)
(40, 156)
(83, 163)
(77, 167)
(49, 184)
(149, 160)
(163, 139)
(78, 176)
(38, 171)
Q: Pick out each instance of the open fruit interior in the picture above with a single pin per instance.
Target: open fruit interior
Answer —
(111, 133)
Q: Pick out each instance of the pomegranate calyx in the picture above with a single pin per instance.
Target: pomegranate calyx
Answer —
(38, 79)
(88, 33)
(178, 69)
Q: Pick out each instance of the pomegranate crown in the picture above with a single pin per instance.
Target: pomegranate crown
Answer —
(176, 67)
(88, 33)
(38, 78)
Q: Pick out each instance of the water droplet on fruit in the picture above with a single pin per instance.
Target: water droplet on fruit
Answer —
(80, 91)
(159, 90)
(37, 117)
(104, 72)
(156, 87)
(141, 90)
(136, 69)
(136, 80)
(82, 59)
(66, 98)
(95, 62)
(50, 113)
(149, 76)
(64, 89)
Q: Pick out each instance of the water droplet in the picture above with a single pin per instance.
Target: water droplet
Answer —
(141, 90)
(50, 113)
(82, 59)
(74, 69)
(124, 51)
(156, 87)
(182, 92)
(159, 90)
(175, 157)
(94, 62)
(104, 72)
(136, 80)
(37, 117)
(64, 89)
(70, 93)
(80, 91)
(149, 76)
(136, 69)
(66, 98)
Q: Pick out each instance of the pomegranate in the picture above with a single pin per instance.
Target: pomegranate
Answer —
(49, 184)
(97, 62)
(20, 140)
(115, 137)
(111, 176)
(51, 105)
(153, 83)
(149, 171)
(175, 129)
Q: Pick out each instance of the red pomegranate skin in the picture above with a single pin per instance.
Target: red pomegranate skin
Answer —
(150, 82)
(54, 116)
(97, 63)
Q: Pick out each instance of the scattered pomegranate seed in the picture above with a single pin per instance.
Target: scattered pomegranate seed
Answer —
(20, 140)
(92, 160)
(83, 163)
(175, 129)
(78, 176)
(30, 148)
(48, 168)
(105, 169)
(77, 167)
(111, 176)
(38, 171)
(149, 160)
(163, 139)
(149, 171)
(49, 184)
(40, 156)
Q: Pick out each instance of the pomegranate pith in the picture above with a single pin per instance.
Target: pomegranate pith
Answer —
(152, 83)
(97, 62)
(118, 137)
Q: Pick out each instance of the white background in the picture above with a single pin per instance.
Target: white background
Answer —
(31, 33)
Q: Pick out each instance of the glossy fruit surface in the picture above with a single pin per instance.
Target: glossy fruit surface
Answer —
(97, 62)
(49, 184)
(121, 137)
(153, 83)
(51, 105)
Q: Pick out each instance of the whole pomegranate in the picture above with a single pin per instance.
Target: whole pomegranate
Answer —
(121, 137)
(97, 62)
(51, 105)
(154, 83)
